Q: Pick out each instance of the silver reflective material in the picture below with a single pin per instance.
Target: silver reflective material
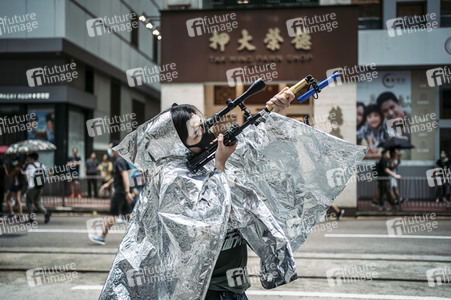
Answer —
(279, 182)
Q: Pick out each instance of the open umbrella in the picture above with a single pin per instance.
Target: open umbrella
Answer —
(396, 142)
(30, 146)
(3, 149)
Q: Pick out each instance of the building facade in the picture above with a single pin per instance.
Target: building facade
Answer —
(64, 63)
(379, 48)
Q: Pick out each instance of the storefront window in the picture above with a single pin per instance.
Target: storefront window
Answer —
(76, 136)
(445, 102)
(7, 135)
(263, 96)
(445, 140)
(222, 93)
(369, 13)
(44, 130)
(409, 9)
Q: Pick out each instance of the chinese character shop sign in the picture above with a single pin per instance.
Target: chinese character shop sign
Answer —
(300, 41)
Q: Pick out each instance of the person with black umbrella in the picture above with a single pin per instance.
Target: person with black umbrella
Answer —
(383, 182)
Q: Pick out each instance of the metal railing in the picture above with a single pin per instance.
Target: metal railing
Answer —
(418, 190)
(58, 193)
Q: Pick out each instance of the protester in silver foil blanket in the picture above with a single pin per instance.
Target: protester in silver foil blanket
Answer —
(188, 235)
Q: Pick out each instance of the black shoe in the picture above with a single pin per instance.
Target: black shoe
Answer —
(29, 220)
(47, 217)
(340, 214)
(376, 204)
(11, 217)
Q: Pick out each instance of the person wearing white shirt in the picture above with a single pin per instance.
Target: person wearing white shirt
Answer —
(34, 190)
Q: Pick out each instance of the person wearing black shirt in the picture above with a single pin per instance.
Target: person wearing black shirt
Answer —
(3, 173)
(74, 163)
(442, 191)
(230, 272)
(120, 203)
(383, 182)
(91, 172)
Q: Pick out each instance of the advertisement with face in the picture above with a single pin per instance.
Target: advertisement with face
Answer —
(383, 107)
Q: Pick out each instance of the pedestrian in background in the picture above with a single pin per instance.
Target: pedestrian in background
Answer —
(15, 188)
(395, 161)
(3, 174)
(340, 212)
(120, 203)
(106, 171)
(443, 163)
(442, 178)
(74, 163)
(383, 182)
(91, 166)
(34, 189)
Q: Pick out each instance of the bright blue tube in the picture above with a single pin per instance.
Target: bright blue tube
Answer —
(321, 85)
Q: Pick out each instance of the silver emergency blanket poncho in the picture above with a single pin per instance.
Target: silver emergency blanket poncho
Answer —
(278, 184)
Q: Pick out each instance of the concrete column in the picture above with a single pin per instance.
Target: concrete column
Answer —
(343, 97)
(183, 93)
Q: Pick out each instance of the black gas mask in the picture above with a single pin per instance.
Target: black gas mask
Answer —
(207, 138)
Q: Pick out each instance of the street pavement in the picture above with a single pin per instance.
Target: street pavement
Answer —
(366, 258)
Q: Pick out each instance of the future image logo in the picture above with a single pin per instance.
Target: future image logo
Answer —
(438, 76)
(209, 25)
(352, 274)
(95, 27)
(150, 275)
(316, 23)
(106, 25)
(395, 26)
(135, 77)
(247, 75)
(106, 125)
(236, 277)
(96, 225)
(354, 74)
(411, 24)
(395, 126)
(51, 275)
(135, 277)
(148, 75)
(336, 177)
(436, 176)
(411, 225)
(438, 276)
(51, 75)
(18, 23)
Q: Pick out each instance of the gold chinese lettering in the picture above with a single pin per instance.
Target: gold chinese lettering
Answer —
(245, 41)
(272, 39)
(302, 41)
(219, 40)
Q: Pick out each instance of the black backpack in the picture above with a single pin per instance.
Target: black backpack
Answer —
(376, 169)
(39, 177)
